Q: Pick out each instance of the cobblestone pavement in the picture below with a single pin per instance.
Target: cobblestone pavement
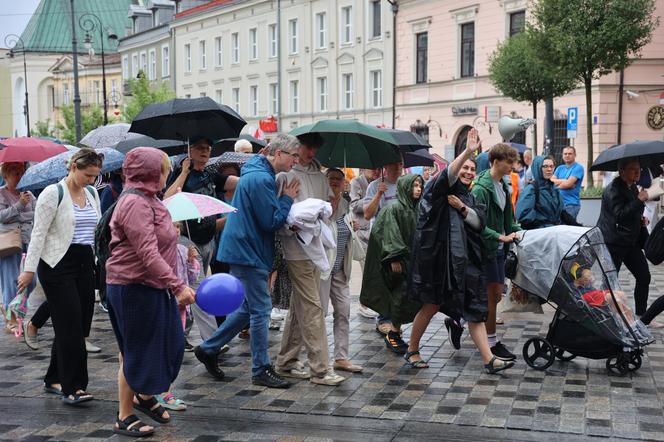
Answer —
(454, 399)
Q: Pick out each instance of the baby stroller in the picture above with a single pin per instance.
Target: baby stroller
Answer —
(571, 269)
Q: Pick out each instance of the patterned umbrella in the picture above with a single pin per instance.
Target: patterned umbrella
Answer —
(108, 136)
(54, 169)
(184, 205)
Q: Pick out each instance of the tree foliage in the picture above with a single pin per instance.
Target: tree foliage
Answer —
(91, 118)
(518, 69)
(43, 128)
(144, 92)
(592, 38)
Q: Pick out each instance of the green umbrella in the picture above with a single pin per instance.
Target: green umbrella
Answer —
(349, 143)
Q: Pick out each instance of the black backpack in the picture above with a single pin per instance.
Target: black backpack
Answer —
(654, 247)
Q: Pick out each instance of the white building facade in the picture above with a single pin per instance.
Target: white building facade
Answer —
(299, 60)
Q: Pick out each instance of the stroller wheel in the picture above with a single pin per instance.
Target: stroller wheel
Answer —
(617, 365)
(560, 354)
(538, 353)
(635, 360)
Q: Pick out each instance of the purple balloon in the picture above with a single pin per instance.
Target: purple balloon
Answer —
(220, 294)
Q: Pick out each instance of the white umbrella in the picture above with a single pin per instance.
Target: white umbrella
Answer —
(107, 136)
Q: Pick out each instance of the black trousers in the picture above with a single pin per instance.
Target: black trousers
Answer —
(635, 261)
(69, 289)
(655, 309)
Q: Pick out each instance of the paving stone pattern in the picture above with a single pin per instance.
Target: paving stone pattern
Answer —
(576, 398)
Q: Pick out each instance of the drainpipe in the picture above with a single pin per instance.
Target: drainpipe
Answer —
(280, 119)
(395, 9)
(621, 88)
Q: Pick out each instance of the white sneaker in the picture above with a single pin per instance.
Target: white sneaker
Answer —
(367, 312)
(91, 348)
(297, 372)
(277, 315)
(330, 378)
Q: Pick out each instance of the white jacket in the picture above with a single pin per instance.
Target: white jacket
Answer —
(54, 224)
(310, 217)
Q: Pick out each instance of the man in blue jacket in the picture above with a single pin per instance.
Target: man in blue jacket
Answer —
(247, 244)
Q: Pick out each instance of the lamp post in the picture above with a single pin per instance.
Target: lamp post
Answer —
(77, 96)
(11, 41)
(89, 22)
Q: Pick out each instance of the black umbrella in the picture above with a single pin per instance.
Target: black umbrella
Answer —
(408, 141)
(188, 119)
(420, 157)
(649, 153)
(228, 144)
(170, 147)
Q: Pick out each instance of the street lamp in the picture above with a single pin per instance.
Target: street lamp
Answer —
(89, 22)
(11, 41)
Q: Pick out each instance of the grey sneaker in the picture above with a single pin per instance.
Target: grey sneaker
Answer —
(91, 348)
(330, 378)
(297, 372)
(30, 341)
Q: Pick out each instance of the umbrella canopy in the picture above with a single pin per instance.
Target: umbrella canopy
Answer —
(408, 141)
(184, 206)
(170, 147)
(107, 136)
(22, 149)
(521, 148)
(649, 153)
(349, 143)
(231, 158)
(420, 157)
(188, 119)
(55, 168)
(228, 144)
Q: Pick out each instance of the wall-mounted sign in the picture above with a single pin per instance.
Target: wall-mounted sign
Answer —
(655, 117)
(491, 114)
(459, 111)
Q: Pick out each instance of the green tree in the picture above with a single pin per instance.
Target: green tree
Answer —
(592, 38)
(518, 70)
(43, 128)
(91, 118)
(144, 92)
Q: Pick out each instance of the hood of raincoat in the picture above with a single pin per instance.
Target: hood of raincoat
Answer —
(536, 169)
(142, 169)
(482, 162)
(405, 190)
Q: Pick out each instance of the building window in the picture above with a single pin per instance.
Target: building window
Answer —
(202, 94)
(292, 36)
(253, 44)
(236, 99)
(272, 37)
(422, 49)
(376, 88)
(347, 88)
(468, 49)
(114, 85)
(322, 93)
(294, 96)
(152, 70)
(375, 11)
(347, 25)
(218, 52)
(97, 92)
(165, 62)
(203, 54)
(235, 42)
(134, 65)
(187, 95)
(253, 100)
(274, 99)
(517, 22)
(65, 94)
(125, 67)
(218, 96)
(321, 30)
(144, 62)
(187, 58)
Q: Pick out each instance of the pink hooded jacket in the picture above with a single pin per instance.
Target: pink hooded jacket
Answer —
(143, 239)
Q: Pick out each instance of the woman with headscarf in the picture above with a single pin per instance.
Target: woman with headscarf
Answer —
(143, 292)
(540, 204)
(446, 269)
(388, 261)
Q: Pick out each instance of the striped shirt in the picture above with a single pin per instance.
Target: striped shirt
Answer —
(86, 222)
(343, 236)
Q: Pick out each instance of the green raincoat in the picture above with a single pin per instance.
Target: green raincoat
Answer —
(390, 240)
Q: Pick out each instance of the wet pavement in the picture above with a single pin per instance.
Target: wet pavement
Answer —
(452, 400)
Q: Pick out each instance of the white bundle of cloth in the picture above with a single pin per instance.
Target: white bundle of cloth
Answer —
(309, 220)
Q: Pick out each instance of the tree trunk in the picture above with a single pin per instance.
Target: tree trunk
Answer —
(535, 129)
(589, 122)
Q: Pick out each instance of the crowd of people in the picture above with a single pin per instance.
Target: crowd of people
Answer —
(425, 244)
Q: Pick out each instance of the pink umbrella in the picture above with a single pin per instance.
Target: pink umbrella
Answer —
(184, 205)
(21, 149)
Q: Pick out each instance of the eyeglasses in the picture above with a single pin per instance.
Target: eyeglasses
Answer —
(294, 155)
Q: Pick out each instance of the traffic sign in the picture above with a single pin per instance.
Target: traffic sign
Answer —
(572, 121)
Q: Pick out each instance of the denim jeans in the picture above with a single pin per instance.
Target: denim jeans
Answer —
(573, 210)
(255, 310)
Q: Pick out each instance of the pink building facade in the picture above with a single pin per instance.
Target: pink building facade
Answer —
(443, 48)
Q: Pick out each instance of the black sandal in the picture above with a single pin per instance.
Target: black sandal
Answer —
(414, 364)
(394, 342)
(77, 398)
(152, 408)
(49, 388)
(490, 369)
(131, 426)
